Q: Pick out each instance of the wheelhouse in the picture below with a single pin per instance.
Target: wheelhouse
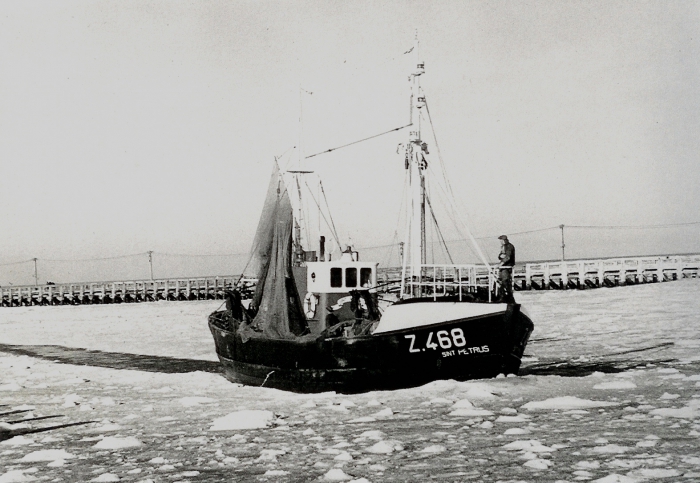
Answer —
(340, 276)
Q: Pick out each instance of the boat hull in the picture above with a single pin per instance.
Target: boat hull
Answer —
(470, 348)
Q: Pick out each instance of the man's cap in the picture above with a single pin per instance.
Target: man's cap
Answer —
(502, 237)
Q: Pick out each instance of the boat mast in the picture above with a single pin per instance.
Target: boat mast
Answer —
(416, 164)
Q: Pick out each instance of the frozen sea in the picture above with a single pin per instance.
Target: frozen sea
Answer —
(609, 392)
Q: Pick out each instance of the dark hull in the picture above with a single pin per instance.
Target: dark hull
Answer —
(473, 348)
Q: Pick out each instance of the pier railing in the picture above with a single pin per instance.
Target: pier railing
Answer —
(561, 275)
(439, 280)
(203, 288)
(607, 272)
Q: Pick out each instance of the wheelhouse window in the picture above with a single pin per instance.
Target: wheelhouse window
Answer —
(365, 277)
(351, 277)
(336, 277)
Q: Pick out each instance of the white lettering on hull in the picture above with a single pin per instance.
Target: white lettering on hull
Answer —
(445, 340)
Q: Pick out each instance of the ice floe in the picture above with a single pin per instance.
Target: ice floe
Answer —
(611, 449)
(480, 391)
(48, 455)
(520, 418)
(385, 447)
(72, 400)
(374, 434)
(115, 442)
(24, 407)
(615, 478)
(612, 385)
(567, 402)
(16, 476)
(470, 413)
(17, 441)
(538, 464)
(336, 474)
(435, 448)
(363, 419)
(270, 455)
(653, 473)
(10, 386)
(384, 413)
(530, 445)
(276, 473)
(343, 456)
(463, 404)
(191, 401)
(245, 419)
(686, 412)
(105, 477)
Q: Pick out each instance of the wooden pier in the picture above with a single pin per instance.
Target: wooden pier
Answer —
(203, 288)
(580, 274)
(562, 275)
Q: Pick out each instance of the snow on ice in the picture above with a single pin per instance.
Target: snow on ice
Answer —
(18, 476)
(115, 442)
(245, 419)
(609, 392)
(47, 455)
(566, 402)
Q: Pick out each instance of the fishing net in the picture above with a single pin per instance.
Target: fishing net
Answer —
(276, 302)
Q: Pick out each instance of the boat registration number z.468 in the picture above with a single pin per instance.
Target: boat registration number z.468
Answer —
(445, 340)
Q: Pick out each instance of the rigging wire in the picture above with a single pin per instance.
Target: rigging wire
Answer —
(289, 160)
(451, 199)
(325, 198)
(398, 220)
(284, 153)
(198, 255)
(439, 231)
(359, 141)
(519, 233)
(451, 212)
(430, 227)
(669, 225)
(437, 146)
(93, 259)
(557, 227)
(633, 227)
(17, 263)
(320, 210)
(390, 251)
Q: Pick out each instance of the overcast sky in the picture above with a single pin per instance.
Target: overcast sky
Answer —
(152, 125)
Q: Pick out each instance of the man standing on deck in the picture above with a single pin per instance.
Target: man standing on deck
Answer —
(505, 270)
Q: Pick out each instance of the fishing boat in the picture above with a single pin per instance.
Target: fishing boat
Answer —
(306, 323)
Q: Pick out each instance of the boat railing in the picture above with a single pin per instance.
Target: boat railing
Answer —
(442, 280)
